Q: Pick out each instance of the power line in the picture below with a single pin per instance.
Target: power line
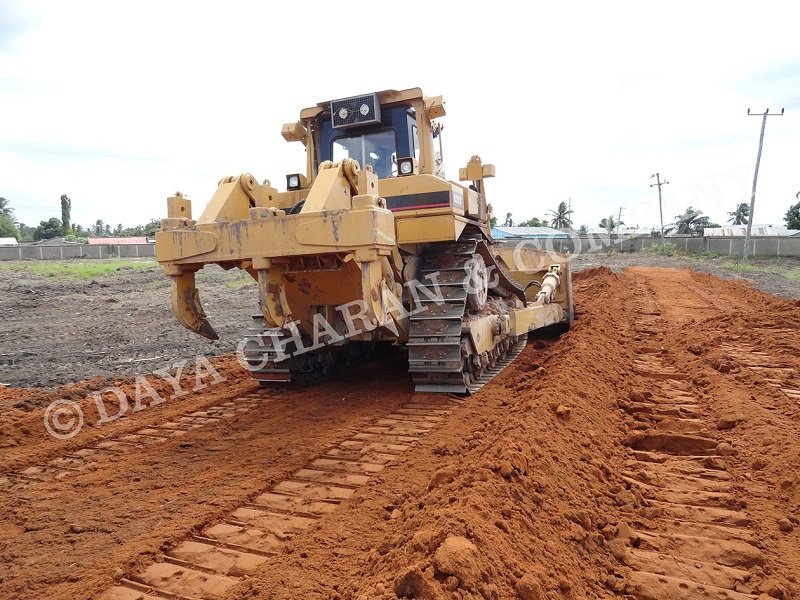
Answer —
(659, 183)
(763, 116)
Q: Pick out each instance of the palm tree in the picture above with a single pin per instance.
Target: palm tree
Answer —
(741, 215)
(561, 215)
(691, 222)
(610, 224)
(66, 209)
(5, 208)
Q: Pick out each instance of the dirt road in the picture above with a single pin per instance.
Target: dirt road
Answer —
(649, 452)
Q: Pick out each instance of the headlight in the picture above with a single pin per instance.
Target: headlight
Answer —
(293, 181)
(406, 166)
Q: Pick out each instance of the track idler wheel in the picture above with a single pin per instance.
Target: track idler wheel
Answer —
(477, 283)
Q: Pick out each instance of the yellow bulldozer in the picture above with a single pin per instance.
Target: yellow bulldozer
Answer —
(370, 245)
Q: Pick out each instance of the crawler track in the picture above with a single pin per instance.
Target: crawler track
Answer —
(438, 352)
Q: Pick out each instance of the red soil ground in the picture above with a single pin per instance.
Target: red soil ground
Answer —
(522, 491)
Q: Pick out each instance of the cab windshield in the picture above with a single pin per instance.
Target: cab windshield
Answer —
(378, 149)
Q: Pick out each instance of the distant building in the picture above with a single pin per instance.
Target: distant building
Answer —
(56, 241)
(757, 230)
(8, 241)
(634, 230)
(117, 240)
(527, 233)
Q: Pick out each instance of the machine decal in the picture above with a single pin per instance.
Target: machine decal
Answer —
(418, 201)
(458, 198)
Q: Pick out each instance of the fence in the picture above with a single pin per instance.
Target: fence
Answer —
(77, 251)
(732, 246)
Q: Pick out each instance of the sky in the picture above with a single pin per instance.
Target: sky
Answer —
(120, 104)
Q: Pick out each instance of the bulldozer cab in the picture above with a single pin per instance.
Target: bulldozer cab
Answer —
(392, 131)
(379, 143)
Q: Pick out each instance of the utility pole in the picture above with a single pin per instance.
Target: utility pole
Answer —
(619, 218)
(659, 183)
(764, 116)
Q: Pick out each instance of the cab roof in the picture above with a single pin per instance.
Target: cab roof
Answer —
(386, 97)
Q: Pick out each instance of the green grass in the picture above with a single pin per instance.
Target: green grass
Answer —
(743, 267)
(703, 254)
(240, 282)
(790, 273)
(79, 269)
(667, 249)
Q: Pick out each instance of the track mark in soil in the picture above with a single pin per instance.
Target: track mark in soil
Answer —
(90, 457)
(774, 372)
(207, 565)
(693, 539)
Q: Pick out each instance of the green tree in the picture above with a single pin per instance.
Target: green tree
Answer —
(66, 209)
(583, 231)
(493, 221)
(509, 222)
(5, 208)
(793, 216)
(534, 222)
(98, 228)
(692, 222)
(741, 215)
(151, 228)
(48, 229)
(137, 231)
(610, 224)
(7, 227)
(561, 216)
(25, 232)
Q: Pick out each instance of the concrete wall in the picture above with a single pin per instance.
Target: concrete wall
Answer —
(762, 246)
(77, 251)
(733, 246)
